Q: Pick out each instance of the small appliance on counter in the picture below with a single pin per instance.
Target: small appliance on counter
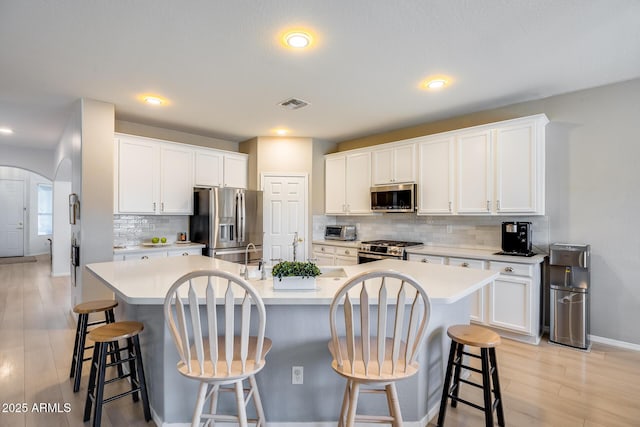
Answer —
(516, 239)
(340, 232)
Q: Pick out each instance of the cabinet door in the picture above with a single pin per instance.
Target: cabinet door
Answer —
(479, 297)
(235, 171)
(358, 183)
(382, 166)
(346, 260)
(435, 183)
(208, 168)
(138, 173)
(176, 187)
(510, 303)
(404, 160)
(335, 185)
(516, 169)
(473, 172)
(323, 259)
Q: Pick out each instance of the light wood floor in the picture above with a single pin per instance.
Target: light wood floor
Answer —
(36, 342)
(543, 385)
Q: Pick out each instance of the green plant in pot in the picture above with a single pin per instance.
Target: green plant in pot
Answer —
(295, 268)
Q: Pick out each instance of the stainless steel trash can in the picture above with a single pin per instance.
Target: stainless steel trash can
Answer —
(569, 282)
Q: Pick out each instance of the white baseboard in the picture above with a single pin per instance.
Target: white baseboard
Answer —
(420, 423)
(60, 274)
(615, 343)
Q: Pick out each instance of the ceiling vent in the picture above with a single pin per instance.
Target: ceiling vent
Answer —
(293, 103)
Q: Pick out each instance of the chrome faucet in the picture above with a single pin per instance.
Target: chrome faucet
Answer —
(246, 260)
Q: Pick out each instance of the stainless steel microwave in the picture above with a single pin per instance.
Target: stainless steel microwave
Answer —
(393, 198)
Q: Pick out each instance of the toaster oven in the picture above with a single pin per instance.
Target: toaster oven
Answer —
(340, 232)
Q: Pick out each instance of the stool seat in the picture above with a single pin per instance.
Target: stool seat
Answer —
(95, 306)
(116, 331)
(473, 335)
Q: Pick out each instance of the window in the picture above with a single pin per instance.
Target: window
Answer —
(45, 209)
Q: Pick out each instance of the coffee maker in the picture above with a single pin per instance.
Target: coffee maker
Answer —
(516, 239)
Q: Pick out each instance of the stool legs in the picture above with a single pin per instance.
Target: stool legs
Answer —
(97, 379)
(489, 371)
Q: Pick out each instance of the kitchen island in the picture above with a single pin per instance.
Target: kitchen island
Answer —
(298, 324)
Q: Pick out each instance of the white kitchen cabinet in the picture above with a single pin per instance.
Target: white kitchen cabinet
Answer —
(427, 259)
(519, 166)
(153, 177)
(393, 165)
(514, 298)
(327, 254)
(217, 168)
(176, 180)
(184, 252)
(235, 170)
(473, 172)
(209, 168)
(436, 176)
(479, 298)
(145, 255)
(138, 171)
(348, 183)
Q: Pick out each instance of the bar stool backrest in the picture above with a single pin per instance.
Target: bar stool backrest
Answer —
(384, 315)
(209, 316)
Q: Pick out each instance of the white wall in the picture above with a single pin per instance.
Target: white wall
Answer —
(31, 159)
(61, 229)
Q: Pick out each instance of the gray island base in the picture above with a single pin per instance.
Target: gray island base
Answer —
(298, 325)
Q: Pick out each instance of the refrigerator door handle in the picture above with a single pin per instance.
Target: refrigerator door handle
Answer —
(243, 216)
(237, 219)
(216, 227)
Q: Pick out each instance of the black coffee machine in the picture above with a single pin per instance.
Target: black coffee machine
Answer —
(516, 239)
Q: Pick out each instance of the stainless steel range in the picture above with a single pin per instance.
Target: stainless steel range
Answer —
(376, 250)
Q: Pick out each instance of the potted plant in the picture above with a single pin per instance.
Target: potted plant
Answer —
(294, 275)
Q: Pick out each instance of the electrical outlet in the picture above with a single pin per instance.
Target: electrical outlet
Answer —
(297, 375)
(449, 228)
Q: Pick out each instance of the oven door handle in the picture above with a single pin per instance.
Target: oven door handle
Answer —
(372, 256)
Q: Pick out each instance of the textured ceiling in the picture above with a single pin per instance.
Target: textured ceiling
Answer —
(221, 65)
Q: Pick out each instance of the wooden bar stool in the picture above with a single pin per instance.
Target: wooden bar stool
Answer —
(486, 340)
(84, 310)
(103, 336)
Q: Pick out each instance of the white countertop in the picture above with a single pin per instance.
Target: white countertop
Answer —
(342, 243)
(484, 254)
(158, 247)
(147, 281)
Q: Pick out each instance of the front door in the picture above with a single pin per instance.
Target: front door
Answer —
(11, 218)
(285, 217)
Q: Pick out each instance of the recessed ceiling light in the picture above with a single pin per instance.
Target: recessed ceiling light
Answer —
(281, 132)
(298, 38)
(435, 82)
(153, 100)
(6, 131)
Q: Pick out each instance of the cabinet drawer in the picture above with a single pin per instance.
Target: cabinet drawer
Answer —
(427, 259)
(324, 249)
(512, 269)
(352, 252)
(184, 252)
(464, 262)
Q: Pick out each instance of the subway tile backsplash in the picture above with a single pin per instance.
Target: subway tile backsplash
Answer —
(133, 230)
(456, 231)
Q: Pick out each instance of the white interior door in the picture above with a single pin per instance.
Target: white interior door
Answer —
(11, 218)
(285, 214)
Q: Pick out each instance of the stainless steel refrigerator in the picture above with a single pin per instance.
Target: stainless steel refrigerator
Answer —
(226, 220)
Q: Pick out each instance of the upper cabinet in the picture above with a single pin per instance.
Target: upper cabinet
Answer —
(495, 169)
(215, 168)
(153, 177)
(393, 165)
(348, 183)
(435, 179)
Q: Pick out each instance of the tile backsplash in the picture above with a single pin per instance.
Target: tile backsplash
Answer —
(132, 230)
(458, 231)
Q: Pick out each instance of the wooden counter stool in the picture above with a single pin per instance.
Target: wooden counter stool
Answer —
(486, 340)
(103, 336)
(84, 310)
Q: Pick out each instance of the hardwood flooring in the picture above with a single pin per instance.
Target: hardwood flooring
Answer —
(543, 385)
(36, 341)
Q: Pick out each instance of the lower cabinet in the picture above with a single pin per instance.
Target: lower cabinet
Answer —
(479, 298)
(335, 255)
(157, 254)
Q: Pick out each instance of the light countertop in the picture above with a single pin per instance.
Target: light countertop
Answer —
(155, 248)
(147, 281)
(483, 254)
